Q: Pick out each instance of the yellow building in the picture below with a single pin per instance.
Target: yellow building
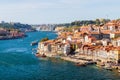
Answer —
(117, 54)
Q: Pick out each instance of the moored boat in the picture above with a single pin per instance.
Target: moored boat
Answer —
(119, 70)
(34, 43)
(108, 68)
(80, 64)
(90, 62)
(37, 55)
(40, 55)
(43, 55)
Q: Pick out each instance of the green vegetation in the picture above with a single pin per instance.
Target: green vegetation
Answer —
(6, 26)
(16, 26)
(44, 39)
(68, 29)
(85, 22)
(71, 28)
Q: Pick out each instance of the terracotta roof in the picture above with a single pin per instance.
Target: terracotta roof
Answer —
(116, 32)
(105, 31)
(94, 32)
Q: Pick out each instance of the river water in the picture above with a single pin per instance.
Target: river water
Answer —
(18, 62)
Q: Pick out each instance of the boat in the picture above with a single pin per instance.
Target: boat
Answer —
(90, 62)
(100, 64)
(81, 64)
(40, 55)
(119, 70)
(34, 43)
(43, 55)
(108, 68)
(37, 55)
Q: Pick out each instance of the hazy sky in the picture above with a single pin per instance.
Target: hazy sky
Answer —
(57, 11)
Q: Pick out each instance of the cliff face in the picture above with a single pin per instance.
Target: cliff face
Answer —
(18, 26)
(44, 27)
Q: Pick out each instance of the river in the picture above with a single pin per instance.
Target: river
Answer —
(18, 62)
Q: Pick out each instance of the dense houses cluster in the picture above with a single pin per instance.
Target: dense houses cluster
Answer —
(8, 34)
(102, 43)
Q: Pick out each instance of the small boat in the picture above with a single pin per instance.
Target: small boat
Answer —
(90, 62)
(119, 71)
(100, 64)
(81, 64)
(43, 55)
(37, 55)
(40, 55)
(34, 43)
(108, 68)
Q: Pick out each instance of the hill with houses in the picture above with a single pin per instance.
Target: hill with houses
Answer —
(99, 43)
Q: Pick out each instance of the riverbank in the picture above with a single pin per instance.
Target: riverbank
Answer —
(83, 60)
(72, 58)
(75, 59)
(11, 37)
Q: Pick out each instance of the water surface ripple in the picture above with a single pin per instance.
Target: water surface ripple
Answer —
(17, 62)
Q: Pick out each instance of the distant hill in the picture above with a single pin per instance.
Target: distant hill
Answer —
(52, 27)
(19, 26)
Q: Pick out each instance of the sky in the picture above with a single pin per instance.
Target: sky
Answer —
(57, 11)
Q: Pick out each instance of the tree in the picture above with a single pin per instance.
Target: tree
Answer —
(97, 22)
(104, 21)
